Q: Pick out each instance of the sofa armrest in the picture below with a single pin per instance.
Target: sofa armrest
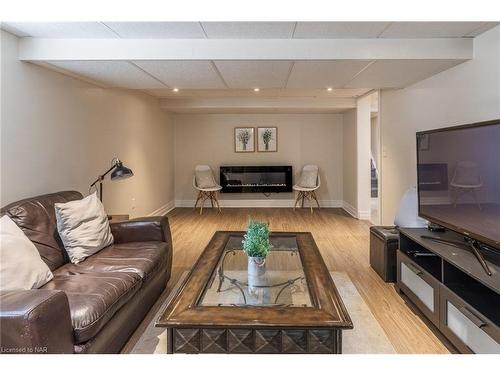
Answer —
(35, 321)
(142, 229)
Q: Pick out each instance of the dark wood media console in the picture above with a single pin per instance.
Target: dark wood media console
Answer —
(451, 288)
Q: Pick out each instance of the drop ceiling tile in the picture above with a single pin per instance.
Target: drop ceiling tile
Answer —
(323, 74)
(339, 29)
(398, 73)
(59, 29)
(248, 30)
(112, 73)
(250, 74)
(184, 74)
(173, 30)
(430, 29)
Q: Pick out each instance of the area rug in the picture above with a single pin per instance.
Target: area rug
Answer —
(366, 337)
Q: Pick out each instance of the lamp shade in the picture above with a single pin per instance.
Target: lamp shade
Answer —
(121, 172)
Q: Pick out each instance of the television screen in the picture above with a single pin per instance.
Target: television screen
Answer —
(458, 173)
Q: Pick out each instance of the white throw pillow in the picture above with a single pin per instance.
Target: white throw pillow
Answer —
(308, 178)
(21, 267)
(83, 227)
(205, 179)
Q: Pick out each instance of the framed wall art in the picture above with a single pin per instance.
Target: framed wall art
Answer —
(267, 139)
(244, 140)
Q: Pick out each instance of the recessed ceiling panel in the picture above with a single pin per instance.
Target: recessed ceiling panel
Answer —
(184, 74)
(248, 30)
(250, 74)
(398, 73)
(59, 29)
(323, 74)
(112, 73)
(339, 29)
(430, 29)
(174, 30)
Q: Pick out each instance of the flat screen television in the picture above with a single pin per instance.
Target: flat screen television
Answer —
(458, 174)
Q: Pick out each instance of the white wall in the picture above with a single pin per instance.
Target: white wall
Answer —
(302, 139)
(350, 157)
(363, 140)
(59, 133)
(469, 92)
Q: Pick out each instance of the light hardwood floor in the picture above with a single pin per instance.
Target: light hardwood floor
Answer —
(344, 244)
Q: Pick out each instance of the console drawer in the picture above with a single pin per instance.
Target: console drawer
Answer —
(420, 286)
(465, 327)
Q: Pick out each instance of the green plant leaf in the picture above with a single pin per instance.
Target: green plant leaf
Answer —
(256, 240)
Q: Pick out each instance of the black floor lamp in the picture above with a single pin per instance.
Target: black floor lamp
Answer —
(118, 172)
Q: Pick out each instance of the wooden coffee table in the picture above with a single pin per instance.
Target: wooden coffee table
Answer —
(295, 308)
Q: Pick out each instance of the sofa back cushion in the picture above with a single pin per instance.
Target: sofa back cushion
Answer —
(37, 219)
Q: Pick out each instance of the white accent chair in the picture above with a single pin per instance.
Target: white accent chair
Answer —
(309, 182)
(466, 179)
(204, 182)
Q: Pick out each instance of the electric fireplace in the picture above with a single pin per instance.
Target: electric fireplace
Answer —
(256, 179)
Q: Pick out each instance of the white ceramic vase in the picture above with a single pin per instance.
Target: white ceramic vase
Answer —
(256, 271)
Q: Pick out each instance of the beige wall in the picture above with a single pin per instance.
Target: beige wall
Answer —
(59, 133)
(363, 139)
(302, 139)
(349, 168)
(467, 93)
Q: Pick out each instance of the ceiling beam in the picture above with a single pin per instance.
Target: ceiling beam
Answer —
(40, 49)
(253, 105)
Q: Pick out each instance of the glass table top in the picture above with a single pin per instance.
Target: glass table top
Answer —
(280, 281)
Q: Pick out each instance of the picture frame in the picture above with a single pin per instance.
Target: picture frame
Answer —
(244, 139)
(267, 139)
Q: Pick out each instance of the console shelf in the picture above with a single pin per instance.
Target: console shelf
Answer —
(451, 288)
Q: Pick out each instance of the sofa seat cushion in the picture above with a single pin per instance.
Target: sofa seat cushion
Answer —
(94, 297)
(141, 258)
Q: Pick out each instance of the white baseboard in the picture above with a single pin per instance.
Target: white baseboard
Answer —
(163, 210)
(276, 203)
(354, 212)
(364, 215)
(350, 209)
(263, 203)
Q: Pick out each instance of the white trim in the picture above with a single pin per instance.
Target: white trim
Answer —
(350, 209)
(52, 49)
(355, 213)
(364, 215)
(163, 210)
(288, 203)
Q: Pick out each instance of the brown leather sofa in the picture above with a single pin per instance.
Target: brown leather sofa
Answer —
(91, 307)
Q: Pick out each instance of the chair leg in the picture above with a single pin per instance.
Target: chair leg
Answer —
(310, 201)
(303, 196)
(455, 198)
(315, 198)
(202, 203)
(216, 199)
(211, 199)
(475, 198)
(297, 200)
(197, 200)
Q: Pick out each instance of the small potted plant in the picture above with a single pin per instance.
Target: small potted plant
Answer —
(256, 246)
